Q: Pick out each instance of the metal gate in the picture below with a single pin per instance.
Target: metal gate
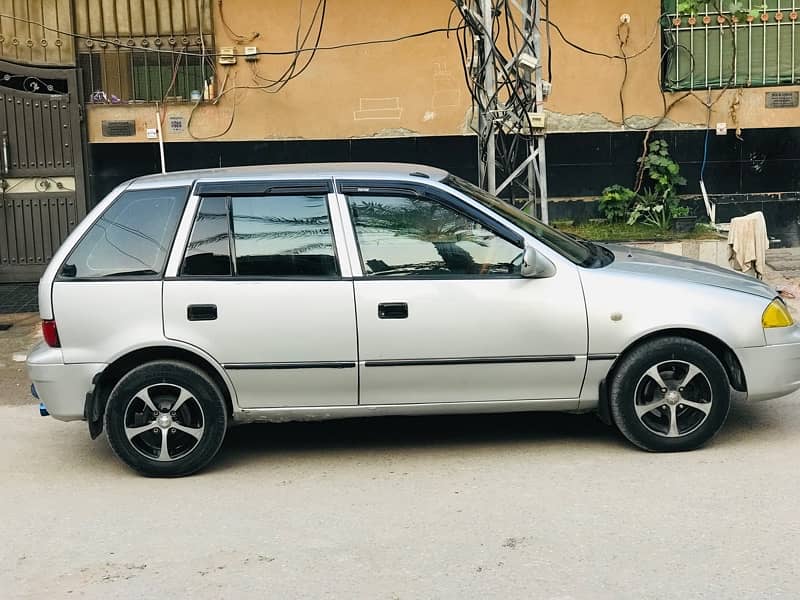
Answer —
(42, 182)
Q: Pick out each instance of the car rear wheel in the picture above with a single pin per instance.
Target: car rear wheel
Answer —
(166, 419)
(669, 394)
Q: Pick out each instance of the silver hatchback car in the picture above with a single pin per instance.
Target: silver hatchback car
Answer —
(191, 301)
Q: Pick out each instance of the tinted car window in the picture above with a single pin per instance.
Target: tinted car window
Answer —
(576, 250)
(283, 236)
(132, 238)
(209, 249)
(402, 236)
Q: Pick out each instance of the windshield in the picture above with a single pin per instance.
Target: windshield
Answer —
(581, 252)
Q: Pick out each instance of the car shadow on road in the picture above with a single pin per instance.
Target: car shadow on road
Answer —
(537, 431)
(413, 433)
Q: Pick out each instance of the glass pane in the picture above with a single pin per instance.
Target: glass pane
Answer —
(401, 236)
(131, 238)
(566, 246)
(209, 251)
(283, 236)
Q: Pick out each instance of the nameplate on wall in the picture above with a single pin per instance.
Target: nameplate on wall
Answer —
(119, 128)
(783, 99)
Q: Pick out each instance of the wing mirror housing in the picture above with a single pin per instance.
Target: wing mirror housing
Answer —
(535, 265)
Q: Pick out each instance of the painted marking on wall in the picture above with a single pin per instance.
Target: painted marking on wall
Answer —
(378, 109)
(446, 91)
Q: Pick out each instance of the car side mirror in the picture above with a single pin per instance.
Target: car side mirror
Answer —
(535, 265)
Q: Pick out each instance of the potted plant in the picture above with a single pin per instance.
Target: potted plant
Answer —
(682, 221)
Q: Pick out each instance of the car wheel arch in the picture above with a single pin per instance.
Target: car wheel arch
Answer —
(106, 379)
(725, 354)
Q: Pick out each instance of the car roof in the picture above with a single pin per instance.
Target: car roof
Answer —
(394, 171)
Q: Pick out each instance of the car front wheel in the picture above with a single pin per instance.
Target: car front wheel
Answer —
(166, 419)
(669, 394)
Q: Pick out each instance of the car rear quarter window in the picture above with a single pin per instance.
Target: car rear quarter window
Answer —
(283, 236)
(132, 237)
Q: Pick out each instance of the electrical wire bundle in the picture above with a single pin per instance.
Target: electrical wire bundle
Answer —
(504, 110)
(293, 71)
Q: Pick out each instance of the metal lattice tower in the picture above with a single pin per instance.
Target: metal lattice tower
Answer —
(496, 117)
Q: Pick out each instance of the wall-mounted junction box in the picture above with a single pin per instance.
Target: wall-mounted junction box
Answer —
(251, 53)
(537, 120)
(227, 56)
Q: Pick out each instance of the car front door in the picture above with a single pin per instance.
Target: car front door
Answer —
(444, 314)
(260, 288)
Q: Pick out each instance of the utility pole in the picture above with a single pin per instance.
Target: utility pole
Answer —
(526, 65)
(537, 145)
(490, 85)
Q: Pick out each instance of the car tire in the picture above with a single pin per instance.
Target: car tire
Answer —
(669, 394)
(166, 419)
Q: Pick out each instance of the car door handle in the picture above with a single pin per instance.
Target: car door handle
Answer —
(201, 312)
(393, 310)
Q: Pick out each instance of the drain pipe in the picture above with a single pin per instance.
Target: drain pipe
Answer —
(710, 210)
(160, 139)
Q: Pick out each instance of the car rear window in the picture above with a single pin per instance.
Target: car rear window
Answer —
(283, 236)
(131, 239)
(275, 236)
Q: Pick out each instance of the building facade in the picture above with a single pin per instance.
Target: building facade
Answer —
(86, 85)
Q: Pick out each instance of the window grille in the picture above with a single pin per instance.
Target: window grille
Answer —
(144, 50)
(708, 50)
(36, 32)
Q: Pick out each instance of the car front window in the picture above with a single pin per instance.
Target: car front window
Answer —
(402, 236)
(580, 252)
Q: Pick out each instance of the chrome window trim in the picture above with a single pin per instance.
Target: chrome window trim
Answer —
(348, 235)
(339, 231)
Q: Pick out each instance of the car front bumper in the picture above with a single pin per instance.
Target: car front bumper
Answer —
(771, 371)
(62, 388)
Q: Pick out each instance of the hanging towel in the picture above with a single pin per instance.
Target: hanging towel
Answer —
(748, 243)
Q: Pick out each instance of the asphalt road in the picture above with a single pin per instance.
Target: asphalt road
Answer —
(530, 506)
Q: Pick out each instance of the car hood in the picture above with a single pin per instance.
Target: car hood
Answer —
(668, 266)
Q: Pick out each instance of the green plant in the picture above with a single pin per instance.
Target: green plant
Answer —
(656, 210)
(658, 205)
(734, 8)
(664, 172)
(651, 209)
(679, 211)
(616, 202)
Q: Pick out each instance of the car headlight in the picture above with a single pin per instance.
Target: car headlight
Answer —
(776, 315)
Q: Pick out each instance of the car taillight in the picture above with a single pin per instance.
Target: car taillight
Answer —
(50, 333)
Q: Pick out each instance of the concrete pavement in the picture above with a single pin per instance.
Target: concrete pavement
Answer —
(515, 506)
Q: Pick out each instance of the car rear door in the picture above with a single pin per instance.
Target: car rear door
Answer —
(443, 313)
(260, 287)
